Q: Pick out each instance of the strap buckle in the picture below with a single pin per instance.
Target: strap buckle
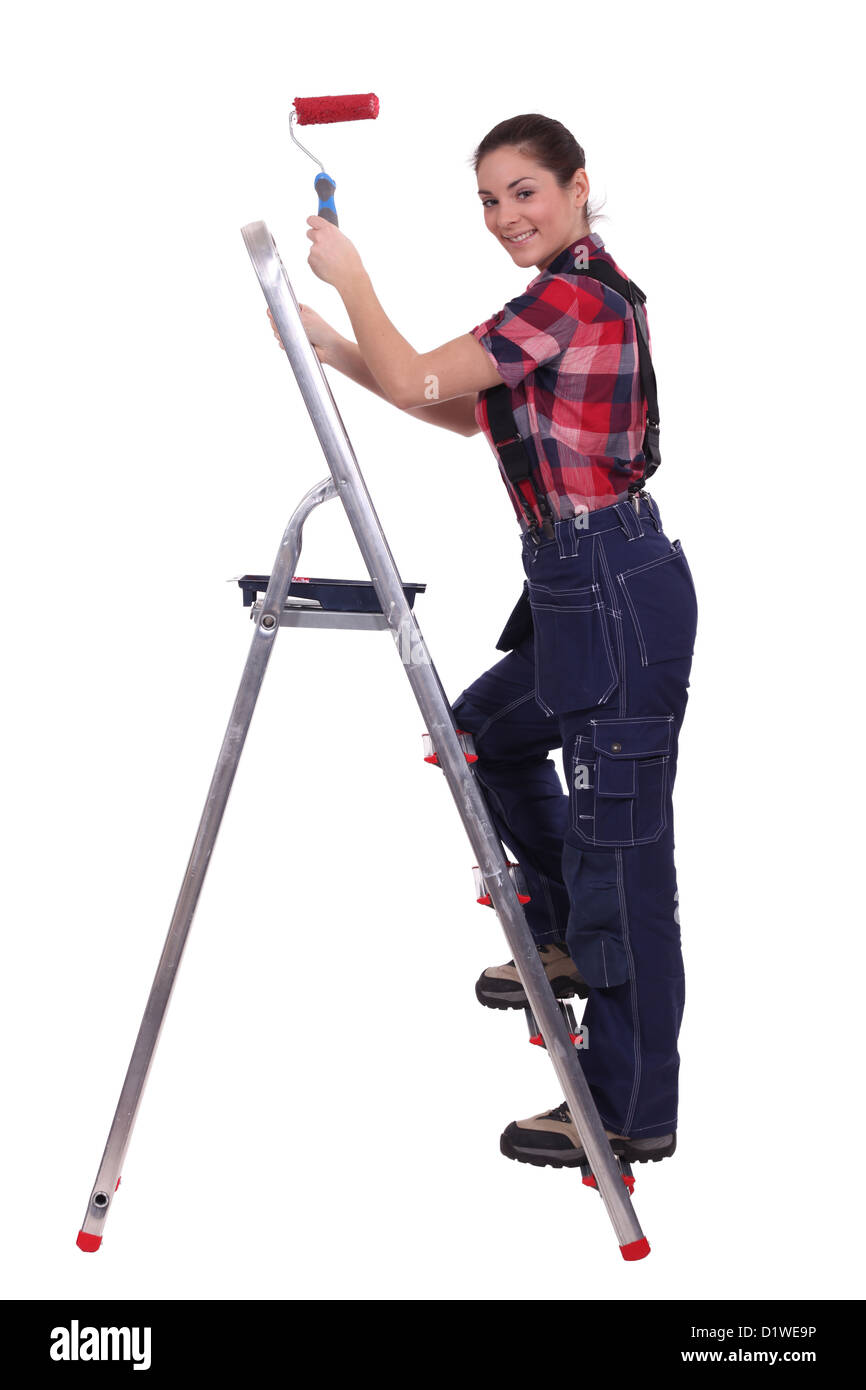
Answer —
(537, 533)
(635, 492)
(545, 529)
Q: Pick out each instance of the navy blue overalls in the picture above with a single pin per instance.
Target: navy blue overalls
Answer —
(603, 674)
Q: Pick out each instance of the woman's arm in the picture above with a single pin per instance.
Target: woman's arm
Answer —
(457, 414)
(408, 379)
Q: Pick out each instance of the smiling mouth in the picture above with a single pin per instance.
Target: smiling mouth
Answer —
(519, 240)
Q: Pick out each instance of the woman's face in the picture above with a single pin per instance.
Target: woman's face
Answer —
(519, 196)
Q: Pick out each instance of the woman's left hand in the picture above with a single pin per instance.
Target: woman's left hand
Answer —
(333, 256)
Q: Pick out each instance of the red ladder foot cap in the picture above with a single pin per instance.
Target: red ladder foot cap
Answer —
(636, 1249)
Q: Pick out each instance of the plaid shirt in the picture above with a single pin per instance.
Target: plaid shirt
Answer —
(566, 348)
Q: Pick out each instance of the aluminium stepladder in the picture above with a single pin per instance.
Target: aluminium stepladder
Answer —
(395, 612)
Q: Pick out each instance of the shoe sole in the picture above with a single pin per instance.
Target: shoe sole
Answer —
(555, 1158)
(516, 998)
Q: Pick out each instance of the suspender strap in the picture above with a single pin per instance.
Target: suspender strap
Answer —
(601, 270)
(515, 458)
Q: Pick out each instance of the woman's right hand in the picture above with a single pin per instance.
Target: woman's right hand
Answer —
(321, 334)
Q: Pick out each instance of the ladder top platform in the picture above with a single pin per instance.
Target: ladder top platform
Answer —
(329, 595)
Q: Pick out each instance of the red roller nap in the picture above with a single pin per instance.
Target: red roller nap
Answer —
(324, 110)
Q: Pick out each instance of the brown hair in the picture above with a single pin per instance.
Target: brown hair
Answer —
(546, 141)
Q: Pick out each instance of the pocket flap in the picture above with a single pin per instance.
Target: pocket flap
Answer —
(632, 738)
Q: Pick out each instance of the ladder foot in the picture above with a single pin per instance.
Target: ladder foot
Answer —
(635, 1249)
(88, 1242)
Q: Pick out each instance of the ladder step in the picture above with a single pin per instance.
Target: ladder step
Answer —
(575, 1032)
(516, 875)
(588, 1177)
(465, 741)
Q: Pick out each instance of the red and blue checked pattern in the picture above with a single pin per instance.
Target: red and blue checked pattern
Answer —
(567, 350)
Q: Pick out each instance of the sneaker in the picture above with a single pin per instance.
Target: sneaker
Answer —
(550, 1139)
(500, 988)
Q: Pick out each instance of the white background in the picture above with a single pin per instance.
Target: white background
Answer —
(323, 1115)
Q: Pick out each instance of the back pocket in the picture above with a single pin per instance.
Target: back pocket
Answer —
(661, 601)
(574, 665)
(620, 792)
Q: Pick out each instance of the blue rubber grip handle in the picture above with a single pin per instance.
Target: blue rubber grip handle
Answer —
(325, 188)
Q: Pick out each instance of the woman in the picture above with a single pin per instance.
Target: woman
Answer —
(601, 669)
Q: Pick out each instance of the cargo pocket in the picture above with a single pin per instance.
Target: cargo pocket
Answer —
(574, 665)
(620, 781)
(662, 604)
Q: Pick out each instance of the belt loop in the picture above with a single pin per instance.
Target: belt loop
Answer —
(653, 511)
(566, 538)
(628, 520)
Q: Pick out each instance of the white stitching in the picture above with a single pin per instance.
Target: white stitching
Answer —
(567, 607)
(622, 674)
(491, 719)
(644, 660)
(545, 882)
(548, 589)
(661, 560)
(633, 992)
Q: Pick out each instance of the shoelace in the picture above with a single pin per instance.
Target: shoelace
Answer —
(560, 1113)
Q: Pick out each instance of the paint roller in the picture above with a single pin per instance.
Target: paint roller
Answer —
(325, 111)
